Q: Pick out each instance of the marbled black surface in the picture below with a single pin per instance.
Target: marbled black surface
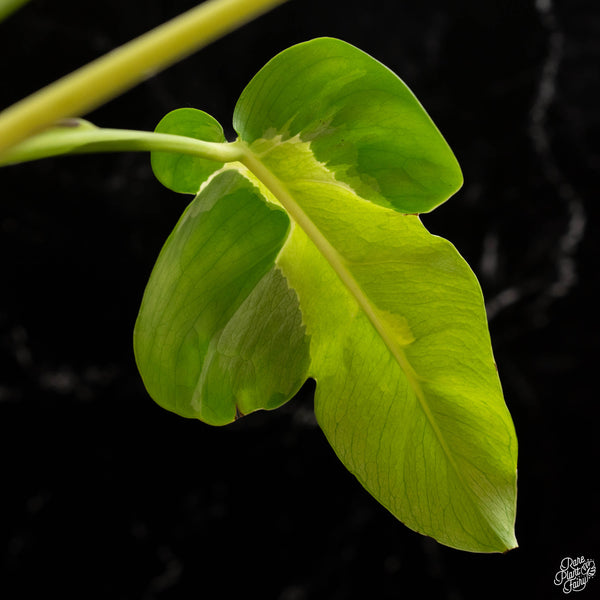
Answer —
(105, 495)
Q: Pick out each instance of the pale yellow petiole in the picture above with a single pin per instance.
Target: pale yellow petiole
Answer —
(82, 137)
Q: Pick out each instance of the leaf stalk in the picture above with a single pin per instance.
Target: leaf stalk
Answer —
(85, 140)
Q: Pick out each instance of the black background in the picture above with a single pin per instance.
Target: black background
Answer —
(105, 495)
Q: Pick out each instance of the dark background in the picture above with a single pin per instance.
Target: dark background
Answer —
(105, 495)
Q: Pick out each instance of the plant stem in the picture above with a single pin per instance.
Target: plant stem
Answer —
(107, 77)
(87, 139)
(7, 7)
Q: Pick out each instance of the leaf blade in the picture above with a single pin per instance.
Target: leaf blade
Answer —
(362, 121)
(212, 279)
(178, 172)
(407, 390)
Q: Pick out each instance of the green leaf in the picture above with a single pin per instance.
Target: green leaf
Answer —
(360, 118)
(180, 172)
(407, 389)
(216, 311)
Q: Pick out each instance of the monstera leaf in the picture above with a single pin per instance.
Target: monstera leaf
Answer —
(307, 258)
